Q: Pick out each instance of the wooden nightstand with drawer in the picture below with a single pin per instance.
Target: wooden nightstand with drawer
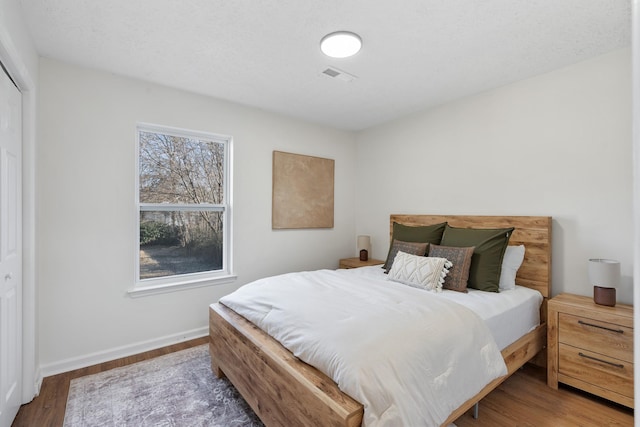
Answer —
(590, 347)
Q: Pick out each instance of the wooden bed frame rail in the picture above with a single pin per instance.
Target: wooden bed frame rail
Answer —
(282, 390)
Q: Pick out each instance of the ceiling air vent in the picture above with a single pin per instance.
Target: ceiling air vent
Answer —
(338, 74)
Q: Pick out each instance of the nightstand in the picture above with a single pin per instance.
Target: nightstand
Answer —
(355, 262)
(590, 347)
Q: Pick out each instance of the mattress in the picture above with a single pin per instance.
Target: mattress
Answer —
(508, 314)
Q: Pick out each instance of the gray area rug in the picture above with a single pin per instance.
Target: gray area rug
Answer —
(174, 390)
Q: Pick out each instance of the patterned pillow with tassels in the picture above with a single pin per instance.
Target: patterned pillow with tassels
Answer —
(419, 271)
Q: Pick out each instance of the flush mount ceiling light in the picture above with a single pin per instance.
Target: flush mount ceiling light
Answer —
(340, 44)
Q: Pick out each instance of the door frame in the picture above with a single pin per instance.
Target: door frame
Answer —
(15, 66)
(635, 110)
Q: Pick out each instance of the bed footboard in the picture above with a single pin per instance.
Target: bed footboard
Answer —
(281, 389)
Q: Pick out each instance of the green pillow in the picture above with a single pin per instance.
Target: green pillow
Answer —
(486, 263)
(419, 234)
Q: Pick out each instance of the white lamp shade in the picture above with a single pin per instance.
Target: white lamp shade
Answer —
(364, 242)
(604, 272)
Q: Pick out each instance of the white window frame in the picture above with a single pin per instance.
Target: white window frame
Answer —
(151, 286)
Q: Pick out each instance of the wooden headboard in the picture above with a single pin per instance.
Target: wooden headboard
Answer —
(534, 232)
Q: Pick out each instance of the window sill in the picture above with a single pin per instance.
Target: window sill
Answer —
(143, 291)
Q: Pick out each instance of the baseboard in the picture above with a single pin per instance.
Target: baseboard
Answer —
(38, 382)
(31, 390)
(73, 363)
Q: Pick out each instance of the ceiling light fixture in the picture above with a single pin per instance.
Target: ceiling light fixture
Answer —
(341, 44)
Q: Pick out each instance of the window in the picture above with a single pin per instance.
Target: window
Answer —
(183, 209)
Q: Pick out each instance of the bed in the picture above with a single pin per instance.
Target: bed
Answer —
(283, 390)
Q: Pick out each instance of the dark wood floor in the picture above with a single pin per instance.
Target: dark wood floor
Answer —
(522, 400)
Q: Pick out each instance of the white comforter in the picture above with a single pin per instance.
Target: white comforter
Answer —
(409, 356)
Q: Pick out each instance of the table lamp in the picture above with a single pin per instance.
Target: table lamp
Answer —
(604, 275)
(364, 246)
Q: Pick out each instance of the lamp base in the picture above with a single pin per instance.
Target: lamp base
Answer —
(364, 255)
(604, 296)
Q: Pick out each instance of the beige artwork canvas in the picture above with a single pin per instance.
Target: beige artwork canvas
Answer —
(302, 191)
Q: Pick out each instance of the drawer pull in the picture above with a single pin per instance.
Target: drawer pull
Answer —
(617, 365)
(617, 331)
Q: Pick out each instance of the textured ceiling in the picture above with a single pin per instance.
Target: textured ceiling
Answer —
(416, 53)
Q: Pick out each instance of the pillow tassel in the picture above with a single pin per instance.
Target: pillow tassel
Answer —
(443, 274)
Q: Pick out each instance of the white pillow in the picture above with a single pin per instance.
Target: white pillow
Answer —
(513, 257)
(419, 271)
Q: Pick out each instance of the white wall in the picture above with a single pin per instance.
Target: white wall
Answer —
(558, 144)
(16, 39)
(86, 213)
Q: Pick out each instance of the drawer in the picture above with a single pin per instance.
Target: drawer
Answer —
(601, 337)
(594, 368)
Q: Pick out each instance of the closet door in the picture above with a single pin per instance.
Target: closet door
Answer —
(10, 250)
